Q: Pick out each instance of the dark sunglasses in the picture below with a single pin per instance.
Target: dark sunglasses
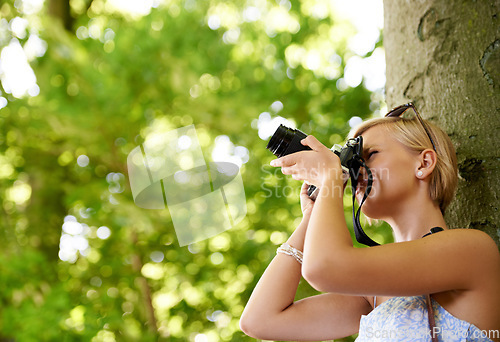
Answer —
(398, 111)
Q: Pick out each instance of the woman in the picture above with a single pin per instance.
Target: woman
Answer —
(380, 291)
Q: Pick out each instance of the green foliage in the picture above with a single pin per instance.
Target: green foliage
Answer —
(103, 89)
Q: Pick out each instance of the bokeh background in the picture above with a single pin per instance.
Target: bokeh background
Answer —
(84, 82)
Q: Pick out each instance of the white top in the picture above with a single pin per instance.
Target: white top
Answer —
(406, 319)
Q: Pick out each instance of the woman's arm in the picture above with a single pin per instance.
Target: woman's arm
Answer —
(276, 289)
(271, 312)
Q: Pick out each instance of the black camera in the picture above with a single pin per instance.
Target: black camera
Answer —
(287, 140)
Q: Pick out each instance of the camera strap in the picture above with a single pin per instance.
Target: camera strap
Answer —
(361, 236)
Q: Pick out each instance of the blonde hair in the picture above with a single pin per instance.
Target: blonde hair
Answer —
(411, 134)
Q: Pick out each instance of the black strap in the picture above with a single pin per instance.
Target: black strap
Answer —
(361, 236)
(434, 230)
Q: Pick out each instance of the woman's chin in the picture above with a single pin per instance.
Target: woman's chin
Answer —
(366, 209)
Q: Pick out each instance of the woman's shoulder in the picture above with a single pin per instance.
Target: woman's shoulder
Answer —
(473, 245)
(471, 237)
(479, 260)
(468, 234)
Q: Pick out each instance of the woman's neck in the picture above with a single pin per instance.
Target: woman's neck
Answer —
(416, 221)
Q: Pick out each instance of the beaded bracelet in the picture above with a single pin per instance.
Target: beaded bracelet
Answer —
(289, 250)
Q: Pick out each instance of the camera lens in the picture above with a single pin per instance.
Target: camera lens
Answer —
(285, 141)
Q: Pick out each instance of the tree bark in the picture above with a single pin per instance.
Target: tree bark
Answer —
(445, 56)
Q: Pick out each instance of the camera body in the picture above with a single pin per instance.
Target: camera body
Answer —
(287, 140)
(351, 155)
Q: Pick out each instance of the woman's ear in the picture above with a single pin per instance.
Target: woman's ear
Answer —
(427, 163)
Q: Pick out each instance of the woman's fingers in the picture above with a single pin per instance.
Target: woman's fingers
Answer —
(291, 159)
(287, 170)
(285, 161)
(313, 143)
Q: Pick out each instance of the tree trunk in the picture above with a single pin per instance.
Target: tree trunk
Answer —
(445, 56)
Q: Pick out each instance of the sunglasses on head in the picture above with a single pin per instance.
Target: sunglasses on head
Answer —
(398, 111)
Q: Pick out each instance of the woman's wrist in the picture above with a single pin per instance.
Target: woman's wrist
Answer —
(297, 238)
(291, 251)
(332, 185)
(306, 214)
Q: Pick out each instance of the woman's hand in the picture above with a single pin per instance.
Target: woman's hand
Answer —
(317, 167)
(306, 203)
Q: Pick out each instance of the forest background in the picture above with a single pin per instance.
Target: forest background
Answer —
(85, 82)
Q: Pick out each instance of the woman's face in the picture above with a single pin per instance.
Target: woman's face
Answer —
(393, 167)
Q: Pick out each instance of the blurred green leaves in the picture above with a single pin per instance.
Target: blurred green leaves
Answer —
(104, 87)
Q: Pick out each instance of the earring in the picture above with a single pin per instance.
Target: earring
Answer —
(420, 173)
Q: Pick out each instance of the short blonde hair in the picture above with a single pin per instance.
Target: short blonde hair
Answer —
(412, 134)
